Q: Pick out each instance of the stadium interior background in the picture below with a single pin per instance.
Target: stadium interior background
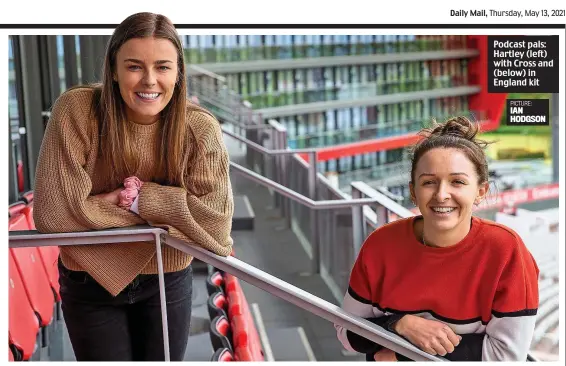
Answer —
(358, 100)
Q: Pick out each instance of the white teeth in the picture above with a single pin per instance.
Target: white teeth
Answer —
(443, 209)
(148, 95)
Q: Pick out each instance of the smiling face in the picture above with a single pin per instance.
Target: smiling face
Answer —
(445, 188)
(146, 72)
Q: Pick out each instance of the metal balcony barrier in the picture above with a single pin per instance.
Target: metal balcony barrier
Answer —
(330, 237)
(242, 270)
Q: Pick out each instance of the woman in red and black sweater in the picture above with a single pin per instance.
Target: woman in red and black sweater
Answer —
(454, 285)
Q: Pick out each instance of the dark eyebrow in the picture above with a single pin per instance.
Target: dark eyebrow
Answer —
(432, 175)
(158, 62)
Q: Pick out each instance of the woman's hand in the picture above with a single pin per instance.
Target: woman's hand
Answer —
(112, 197)
(431, 336)
(385, 355)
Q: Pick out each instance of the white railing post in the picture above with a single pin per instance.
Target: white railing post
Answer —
(357, 222)
(162, 298)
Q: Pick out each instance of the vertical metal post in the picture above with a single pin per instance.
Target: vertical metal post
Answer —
(88, 57)
(250, 153)
(284, 173)
(357, 222)
(275, 165)
(71, 66)
(162, 298)
(314, 237)
(47, 46)
(28, 78)
(382, 215)
(12, 171)
(555, 138)
(92, 57)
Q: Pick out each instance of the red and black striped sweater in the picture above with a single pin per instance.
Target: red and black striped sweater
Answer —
(484, 287)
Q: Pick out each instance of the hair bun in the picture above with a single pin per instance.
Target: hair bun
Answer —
(458, 126)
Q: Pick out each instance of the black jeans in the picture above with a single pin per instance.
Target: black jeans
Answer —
(126, 327)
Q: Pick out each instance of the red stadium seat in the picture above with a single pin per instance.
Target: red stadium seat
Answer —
(247, 345)
(217, 305)
(49, 255)
(222, 355)
(23, 323)
(28, 213)
(20, 171)
(28, 197)
(214, 283)
(244, 354)
(237, 304)
(36, 283)
(15, 208)
(220, 333)
(18, 222)
(230, 283)
(35, 280)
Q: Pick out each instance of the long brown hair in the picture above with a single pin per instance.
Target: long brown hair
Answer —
(115, 143)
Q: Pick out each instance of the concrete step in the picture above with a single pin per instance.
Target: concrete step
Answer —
(244, 216)
(290, 344)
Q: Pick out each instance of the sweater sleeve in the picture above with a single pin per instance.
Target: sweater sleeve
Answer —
(203, 213)
(62, 200)
(510, 330)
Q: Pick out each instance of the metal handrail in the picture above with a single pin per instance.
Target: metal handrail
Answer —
(382, 199)
(234, 266)
(20, 239)
(264, 150)
(206, 72)
(297, 197)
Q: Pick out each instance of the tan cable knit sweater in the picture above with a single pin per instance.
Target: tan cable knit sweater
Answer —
(68, 177)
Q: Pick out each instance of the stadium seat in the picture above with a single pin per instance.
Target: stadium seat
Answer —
(247, 345)
(217, 305)
(220, 333)
(237, 304)
(35, 281)
(20, 173)
(28, 213)
(15, 208)
(214, 283)
(222, 355)
(27, 197)
(18, 222)
(49, 256)
(23, 328)
(36, 284)
(246, 341)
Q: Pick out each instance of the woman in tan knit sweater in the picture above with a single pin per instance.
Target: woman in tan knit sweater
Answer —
(132, 151)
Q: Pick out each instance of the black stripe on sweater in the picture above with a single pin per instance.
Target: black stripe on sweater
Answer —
(514, 314)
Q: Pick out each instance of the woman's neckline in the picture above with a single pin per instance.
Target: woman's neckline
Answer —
(463, 244)
(142, 128)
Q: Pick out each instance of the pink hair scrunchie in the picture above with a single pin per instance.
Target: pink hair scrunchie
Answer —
(132, 186)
